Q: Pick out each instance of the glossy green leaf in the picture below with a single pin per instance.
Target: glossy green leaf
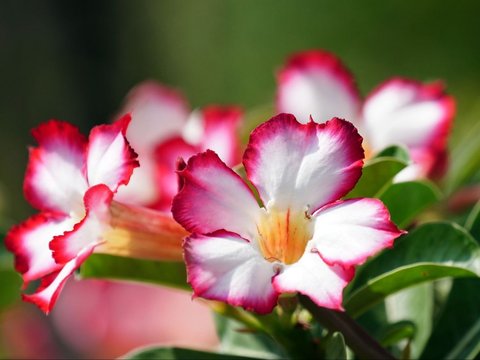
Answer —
(236, 339)
(100, 266)
(469, 346)
(335, 347)
(377, 173)
(174, 353)
(406, 200)
(432, 251)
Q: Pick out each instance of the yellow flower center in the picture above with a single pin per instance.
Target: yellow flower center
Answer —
(283, 235)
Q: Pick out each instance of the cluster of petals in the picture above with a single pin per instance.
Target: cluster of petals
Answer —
(399, 112)
(72, 181)
(163, 128)
(297, 235)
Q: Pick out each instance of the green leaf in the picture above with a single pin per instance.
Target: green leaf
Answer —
(396, 332)
(469, 346)
(395, 151)
(335, 347)
(473, 222)
(406, 200)
(101, 266)
(459, 314)
(377, 173)
(174, 353)
(234, 339)
(432, 251)
(415, 306)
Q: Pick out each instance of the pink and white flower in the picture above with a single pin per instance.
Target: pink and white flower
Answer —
(73, 183)
(163, 129)
(399, 112)
(302, 238)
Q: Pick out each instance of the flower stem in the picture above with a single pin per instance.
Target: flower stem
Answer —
(356, 337)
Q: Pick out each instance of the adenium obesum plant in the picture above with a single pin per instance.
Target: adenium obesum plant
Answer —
(399, 112)
(302, 238)
(163, 128)
(73, 182)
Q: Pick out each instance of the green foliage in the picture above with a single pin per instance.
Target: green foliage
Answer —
(377, 174)
(406, 200)
(473, 222)
(174, 353)
(459, 314)
(335, 347)
(469, 346)
(430, 252)
(102, 266)
(235, 338)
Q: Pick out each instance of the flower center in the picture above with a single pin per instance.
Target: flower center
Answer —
(283, 235)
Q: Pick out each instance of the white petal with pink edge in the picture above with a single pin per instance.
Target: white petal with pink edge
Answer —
(29, 242)
(223, 266)
(213, 198)
(297, 165)
(311, 276)
(407, 112)
(88, 232)
(54, 180)
(348, 232)
(158, 113)
(46, 297)
(110, 159)
(316, 83)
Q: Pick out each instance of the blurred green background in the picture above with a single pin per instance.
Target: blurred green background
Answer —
(76, 60)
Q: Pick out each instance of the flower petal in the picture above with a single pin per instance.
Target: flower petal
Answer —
(166, 157)
(348, 232)
(29, 241)
(213, 198)
(158, 113)
(220, 132)
(88, 232)
(48, 293)
(311, 276)
(54, 180)
(110, 159)
(223, 266)
(295, 166)
(410, 113)
(315, 83)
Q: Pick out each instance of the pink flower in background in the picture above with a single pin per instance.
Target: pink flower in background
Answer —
(303, 239)
(163, 129)
(72, 182)
(399, 112)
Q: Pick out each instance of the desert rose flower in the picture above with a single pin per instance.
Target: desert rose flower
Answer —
(163, 128)
(73, 182)
(302, 238)
(399, 112)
